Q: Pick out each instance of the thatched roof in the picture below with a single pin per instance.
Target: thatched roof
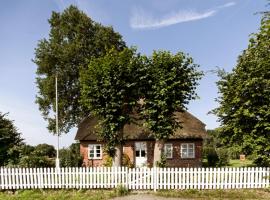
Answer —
(191, 128)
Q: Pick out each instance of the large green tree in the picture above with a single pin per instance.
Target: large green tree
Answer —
(10, 141)
(74, 39)
(169, 87)
(244, 110)
(110, 88)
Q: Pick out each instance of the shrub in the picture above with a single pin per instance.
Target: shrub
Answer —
(162, 162)
(108, 161)
(223, 157)
(212, 156)
(121, 190)
(126, 162)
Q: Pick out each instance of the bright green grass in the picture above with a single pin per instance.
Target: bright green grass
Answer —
(217, 194)
(58, 195)
(239, 163)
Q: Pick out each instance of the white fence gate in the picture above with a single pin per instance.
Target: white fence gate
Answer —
(134, 178)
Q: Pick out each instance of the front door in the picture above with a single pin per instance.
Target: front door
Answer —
(141, 154)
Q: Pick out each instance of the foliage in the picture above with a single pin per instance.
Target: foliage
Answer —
(223, 157)
(71, 157)
(42, 155)
(213, 138)
(126, 162)
(211, 155)
(110, 90)
(10, 141)
(162, 162)
(245, 98)
(121, 190)
(108, 161)
(170, 85)
(73, 40)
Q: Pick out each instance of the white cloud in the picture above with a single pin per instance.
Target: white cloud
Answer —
(228, 5)
(142, 20)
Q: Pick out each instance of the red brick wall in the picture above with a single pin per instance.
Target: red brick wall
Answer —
(177, 161)
(129, 149)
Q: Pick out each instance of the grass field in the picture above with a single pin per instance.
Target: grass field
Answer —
(58, 195)
(217, 194)
(239, 163)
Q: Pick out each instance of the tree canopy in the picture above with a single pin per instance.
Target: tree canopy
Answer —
(10, 141)
(172, 81)
(171, 84)
(110, 89)
(244, 110)
(74, 39)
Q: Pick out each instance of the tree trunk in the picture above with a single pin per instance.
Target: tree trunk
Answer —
(158, 150)
(117, 159)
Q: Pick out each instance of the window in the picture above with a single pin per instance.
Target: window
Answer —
(168, 150)
(140, 148)
(94, 151)
(187, 150)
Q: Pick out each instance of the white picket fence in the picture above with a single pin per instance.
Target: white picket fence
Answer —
(134, 178)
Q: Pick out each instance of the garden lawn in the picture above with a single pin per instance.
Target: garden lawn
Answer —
(239, 163)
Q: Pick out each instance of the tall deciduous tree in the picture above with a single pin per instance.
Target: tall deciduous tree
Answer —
(244, 110)
(110, 88)
(73, 40)
(10, 141)
(170, 86)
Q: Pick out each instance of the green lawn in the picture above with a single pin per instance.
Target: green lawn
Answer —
(239, 163)
(58, 195)
(217, 194)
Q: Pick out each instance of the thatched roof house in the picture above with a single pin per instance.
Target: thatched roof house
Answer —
(184, 145)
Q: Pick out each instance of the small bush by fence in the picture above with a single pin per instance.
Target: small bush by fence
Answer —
(134, 178)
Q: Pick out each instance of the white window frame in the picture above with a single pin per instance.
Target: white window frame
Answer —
(166, 146)
(187, 147)
(94, 147)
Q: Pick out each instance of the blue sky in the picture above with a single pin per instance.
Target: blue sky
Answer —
(213, 32)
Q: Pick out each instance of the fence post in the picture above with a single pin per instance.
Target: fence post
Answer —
(154, 172)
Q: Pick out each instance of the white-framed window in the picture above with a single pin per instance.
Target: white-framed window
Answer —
(188, 150)
(168, 150)
(94, 151)
(140, 148)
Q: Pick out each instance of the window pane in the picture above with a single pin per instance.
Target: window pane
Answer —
(168, 150)
(91, 147)
(91, 155)
(184, 153)
(98, 155)
(137, 153)
(143, 153)
(98, 147)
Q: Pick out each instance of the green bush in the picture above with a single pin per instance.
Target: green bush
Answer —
(121, 190)
(108, 161)
(234, 152)
(223, 157)
(211, 156)
(162, 162)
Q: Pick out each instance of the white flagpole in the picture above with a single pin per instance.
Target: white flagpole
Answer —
(57, 162)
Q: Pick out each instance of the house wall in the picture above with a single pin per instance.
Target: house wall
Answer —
(129, 150)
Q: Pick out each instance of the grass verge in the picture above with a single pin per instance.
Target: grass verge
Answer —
(242, 194)
(58, 194)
